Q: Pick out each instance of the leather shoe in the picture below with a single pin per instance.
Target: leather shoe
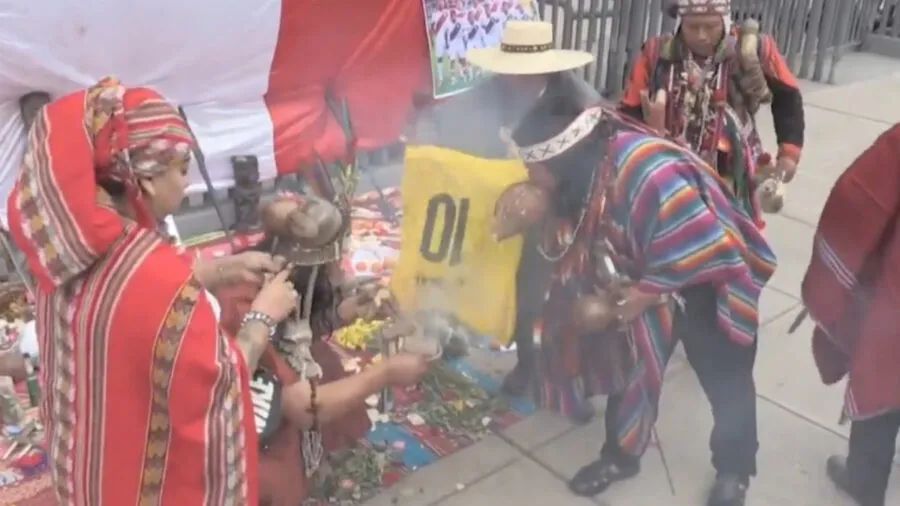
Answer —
(596, 477)
(729, 490)
(836, 468)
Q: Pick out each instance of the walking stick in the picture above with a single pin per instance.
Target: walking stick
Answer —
(798, 320)
(342, 113)
(662, 457)
(204, 172)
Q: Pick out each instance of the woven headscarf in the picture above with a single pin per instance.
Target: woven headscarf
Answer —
(106, 132)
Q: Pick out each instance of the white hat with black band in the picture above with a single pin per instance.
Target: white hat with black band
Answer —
(526, 48)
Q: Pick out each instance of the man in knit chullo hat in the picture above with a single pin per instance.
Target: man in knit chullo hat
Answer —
(703, 86)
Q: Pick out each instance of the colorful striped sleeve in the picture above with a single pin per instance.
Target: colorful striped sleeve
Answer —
(680, 239)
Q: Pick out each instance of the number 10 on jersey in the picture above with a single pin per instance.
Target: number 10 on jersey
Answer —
(452, 234)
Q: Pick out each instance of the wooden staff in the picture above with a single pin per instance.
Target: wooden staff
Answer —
(204, 172)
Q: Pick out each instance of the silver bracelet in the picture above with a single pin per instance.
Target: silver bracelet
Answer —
(256, 316)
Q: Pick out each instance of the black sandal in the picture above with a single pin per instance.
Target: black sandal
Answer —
(594, 478)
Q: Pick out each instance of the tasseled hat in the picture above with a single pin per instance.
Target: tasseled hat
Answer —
(678, 8)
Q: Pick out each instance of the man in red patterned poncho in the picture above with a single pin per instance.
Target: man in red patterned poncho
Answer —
(852, 292)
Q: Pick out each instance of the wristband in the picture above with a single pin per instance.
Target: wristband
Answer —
(257, 316)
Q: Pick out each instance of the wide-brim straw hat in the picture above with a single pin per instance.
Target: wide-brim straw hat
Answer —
(527, 49)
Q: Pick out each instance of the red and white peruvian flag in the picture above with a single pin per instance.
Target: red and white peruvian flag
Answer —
(251, 74)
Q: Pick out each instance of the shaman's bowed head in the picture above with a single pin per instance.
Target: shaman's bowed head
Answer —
(556, 141)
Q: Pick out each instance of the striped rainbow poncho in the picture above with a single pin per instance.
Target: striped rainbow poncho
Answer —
(674, 223)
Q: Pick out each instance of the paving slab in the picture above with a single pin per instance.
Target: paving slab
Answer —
(836, 134)
(786, 375)
(857, 66)
(538, 429)
(806, 194)
(790, 460)
(567, 454)
(877, 99)
(791, 457)
(523, 483)
(792, 242)
(834, 137)
(443, 478)
(773, 304)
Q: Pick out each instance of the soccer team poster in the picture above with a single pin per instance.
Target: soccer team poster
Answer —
(455, 26)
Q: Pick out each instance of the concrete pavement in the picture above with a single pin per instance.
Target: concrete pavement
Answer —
(529, 463)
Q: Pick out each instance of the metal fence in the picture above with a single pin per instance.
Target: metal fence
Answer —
(812, 34)
(884, 36)
(883, 23)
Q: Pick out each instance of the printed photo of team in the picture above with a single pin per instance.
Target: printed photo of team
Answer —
(456, 26)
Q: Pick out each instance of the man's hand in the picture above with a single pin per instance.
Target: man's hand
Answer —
(247, 267)
(654, 109)
(634, 302)
(787, 168)
(608, 309)
(255, 265)
(250, 267)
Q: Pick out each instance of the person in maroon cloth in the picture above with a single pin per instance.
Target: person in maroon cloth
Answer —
(306, 406)
(852, 292)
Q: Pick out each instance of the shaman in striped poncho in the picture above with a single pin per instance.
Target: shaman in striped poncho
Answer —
(692, 262)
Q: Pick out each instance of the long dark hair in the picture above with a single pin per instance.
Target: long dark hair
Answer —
(321, 319)
(558, 107)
